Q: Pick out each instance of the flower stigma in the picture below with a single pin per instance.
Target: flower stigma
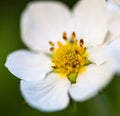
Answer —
(70, 58)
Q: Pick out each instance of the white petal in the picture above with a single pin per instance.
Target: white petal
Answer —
(50, 94)
(117, 2)
(42, 22)
(114, 50)
(27, 65)
(114, 16)
(90, 21)
(97, 55)
(92, 81)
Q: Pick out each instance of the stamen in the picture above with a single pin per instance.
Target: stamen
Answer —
(51, 43)
(65, 36)
(52, 49)
(73, 35)
(81, 42)
(74, 40)
(54, 67)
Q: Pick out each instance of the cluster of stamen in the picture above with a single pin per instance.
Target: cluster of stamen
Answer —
(70, 58)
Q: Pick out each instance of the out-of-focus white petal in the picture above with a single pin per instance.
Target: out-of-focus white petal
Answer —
(42, 22)
(117, 2)
(50, 94)
(97, 55)
(92, 81)
(90, 18)
(27, 65)
(114, 16)
(114, 50)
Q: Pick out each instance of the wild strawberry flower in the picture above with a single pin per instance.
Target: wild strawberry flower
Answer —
(68, 56)
(114, 30)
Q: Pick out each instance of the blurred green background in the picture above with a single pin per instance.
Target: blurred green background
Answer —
(107, 103)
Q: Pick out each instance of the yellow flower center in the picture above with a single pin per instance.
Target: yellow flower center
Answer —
(69, 59)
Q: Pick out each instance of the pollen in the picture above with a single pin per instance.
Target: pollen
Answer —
(70, 58)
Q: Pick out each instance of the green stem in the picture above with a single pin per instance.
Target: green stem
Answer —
(73, 106)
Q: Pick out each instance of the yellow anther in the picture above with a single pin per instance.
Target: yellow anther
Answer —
(52, 49)
(51, 43)
(73, 35)
(65, 36)
(81, 42)
(54, 67)
(74, 40)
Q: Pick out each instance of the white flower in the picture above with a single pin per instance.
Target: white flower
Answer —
(79, 69)
(114, 30)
